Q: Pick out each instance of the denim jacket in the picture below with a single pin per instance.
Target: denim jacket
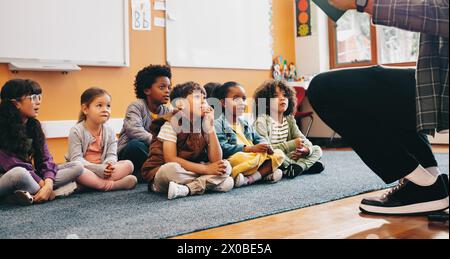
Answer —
(228, 138)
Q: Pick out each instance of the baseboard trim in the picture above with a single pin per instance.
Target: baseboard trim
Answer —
(61, 128)
(327, 143)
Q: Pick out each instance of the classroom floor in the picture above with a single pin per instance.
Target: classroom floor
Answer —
(336, 220)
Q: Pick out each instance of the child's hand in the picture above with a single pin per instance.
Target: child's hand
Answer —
(301, 153)
(270, 150)
(299, 143)
(208, 120)
(45, 193)
(216, 168)
(260, 148)
(109, 170)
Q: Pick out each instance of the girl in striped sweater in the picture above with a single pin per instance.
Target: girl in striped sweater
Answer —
(278, 126)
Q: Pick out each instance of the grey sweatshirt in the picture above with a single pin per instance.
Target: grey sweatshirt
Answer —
(137, 122)
(80, 139)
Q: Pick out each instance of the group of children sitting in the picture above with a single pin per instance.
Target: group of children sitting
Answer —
(171, 139)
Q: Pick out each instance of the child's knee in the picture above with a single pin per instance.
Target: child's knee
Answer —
(226, 186)
(129, 166)
(19, 175)
(278, 154)
(77, 169)
(317, 151)
(168, 171)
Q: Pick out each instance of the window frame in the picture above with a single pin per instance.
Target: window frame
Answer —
(332, 41)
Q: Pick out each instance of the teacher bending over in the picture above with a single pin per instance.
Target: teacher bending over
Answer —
(385, 114)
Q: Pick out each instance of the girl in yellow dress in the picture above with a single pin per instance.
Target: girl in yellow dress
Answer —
(250, 156)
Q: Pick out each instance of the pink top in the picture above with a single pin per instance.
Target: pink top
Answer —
(95, 150)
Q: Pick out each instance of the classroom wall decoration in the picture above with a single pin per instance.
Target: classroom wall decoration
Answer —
(141, 14)
(303, 17)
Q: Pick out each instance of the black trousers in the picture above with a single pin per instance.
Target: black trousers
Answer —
(137, 152)
(374, 110)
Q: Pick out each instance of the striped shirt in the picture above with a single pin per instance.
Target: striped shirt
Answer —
(167, 133)
(431, 19)
(280, 132)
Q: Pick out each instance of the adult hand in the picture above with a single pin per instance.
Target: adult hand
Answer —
(343, 5)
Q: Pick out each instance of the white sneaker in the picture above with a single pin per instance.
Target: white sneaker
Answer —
(65, 190)
(225, 186)
(274, 177)
(239, 181)
(177, 191)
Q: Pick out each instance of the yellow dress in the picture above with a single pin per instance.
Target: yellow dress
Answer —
(248, 163)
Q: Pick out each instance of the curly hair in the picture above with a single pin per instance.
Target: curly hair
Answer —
(267, 91)
(183, 90)
(148, 76)
(14, 134)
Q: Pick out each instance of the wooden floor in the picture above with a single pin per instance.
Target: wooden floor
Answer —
(336, 220)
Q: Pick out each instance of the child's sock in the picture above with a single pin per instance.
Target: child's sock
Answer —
(254, 178)
(422, 177)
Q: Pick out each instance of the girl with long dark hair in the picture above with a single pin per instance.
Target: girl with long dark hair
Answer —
(27, 171)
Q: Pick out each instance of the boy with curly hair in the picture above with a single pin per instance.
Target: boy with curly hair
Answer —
(152, 87)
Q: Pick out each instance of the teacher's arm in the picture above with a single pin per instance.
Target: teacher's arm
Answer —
(426, 16)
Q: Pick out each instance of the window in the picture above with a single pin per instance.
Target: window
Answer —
(397, 46)
(354, 41)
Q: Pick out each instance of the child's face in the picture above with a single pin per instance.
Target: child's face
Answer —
(198, 107)
(280, 102)
(99, 111)
(29, 105)
(236, 101)
(159, 92)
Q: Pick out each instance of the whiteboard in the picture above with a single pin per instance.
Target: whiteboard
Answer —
(219, 33)
(82, 32)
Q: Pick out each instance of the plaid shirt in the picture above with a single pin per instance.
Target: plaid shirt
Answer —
(430, 18)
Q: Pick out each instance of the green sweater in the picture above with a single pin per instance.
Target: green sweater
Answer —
(263, 126)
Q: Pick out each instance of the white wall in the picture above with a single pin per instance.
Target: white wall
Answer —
(312, 51)
(312, 57)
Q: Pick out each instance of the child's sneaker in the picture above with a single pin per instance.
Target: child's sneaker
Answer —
(274, 177)
(225, 186)
(239, 181)
(19, 197)
(293, 171)
(316, 168)
(65, 190)
(177, 191)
